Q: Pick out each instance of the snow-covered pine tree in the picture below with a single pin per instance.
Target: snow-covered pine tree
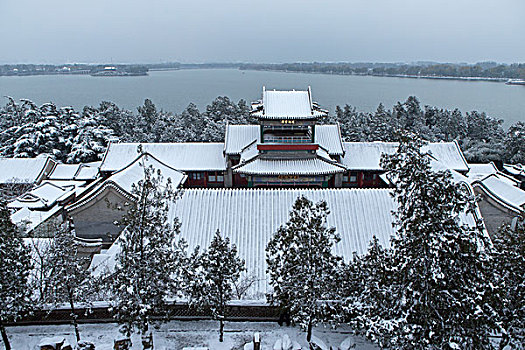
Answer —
(441, 268)
(367, 291)
(150, 260)
(515, 143)
(509, 265)
(213, 275)
(30, 130)
(381, 125)
(301, 265)
(15, 266)
(68, 280)
(351, 123)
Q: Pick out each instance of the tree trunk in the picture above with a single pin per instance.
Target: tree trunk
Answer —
(147, 339)
(309, 333)
(504, 341)
(74, 318)
(4, 337)
(221, 329)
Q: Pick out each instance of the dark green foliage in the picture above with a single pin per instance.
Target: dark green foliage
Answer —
(368, 277)
(29, 130)
(212, 277)
(303, 270)
(150, 260)
(480, 69)
(481, 137)
(15, 267)
(509, 265)
(441, 274)
(70, 137)
(515, 143)
(73, 137)
(68, 280)
(432, 289)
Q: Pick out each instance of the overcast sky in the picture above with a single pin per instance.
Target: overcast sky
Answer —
(149, 31)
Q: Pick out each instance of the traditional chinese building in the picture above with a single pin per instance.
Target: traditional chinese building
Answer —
(288, 147)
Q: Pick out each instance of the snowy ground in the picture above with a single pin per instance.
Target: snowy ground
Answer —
(175, 335)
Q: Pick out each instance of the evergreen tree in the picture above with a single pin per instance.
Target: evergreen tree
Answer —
(509, 265)
(214, 274)
(367, 290)
(381, 125)
(15, 267)
(62, 133)
(440, 267)
(484, 138)
(150, 261)
(148, 115)
(515, 143)
(69, 279)
(301, 265)
(351, 123)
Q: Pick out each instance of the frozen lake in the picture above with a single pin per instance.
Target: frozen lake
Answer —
(174, 90)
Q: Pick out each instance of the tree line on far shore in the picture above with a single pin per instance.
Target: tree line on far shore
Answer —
(70, 136)
(490, 70)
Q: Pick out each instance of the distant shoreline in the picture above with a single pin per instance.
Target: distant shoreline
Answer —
(434, 77)
(408, 76)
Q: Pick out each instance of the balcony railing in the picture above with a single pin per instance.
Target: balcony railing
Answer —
(287, 139)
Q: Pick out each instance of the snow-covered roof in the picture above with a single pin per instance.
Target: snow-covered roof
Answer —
(105, 261)
(87, 171)
(502, 191)
(31, 219)
(435, 166)
(189, 156)
(250, 217)
(477, 171)
(43, 196)
(291, 104)
(134, 172)
(287, 104)
(238, 137)
(329, 137)
(305, 166)
(46, 201)
(481, 171)
(367, 155)
(64, 171)
(249, 152)
(25, 170)
(514, 169)
(124, 179)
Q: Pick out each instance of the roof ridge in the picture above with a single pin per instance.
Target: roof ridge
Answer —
(259, 189)
(142, 155)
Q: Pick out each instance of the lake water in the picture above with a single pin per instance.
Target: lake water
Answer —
(174, 90)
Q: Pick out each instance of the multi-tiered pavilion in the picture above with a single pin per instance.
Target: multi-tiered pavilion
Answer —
(290, 146)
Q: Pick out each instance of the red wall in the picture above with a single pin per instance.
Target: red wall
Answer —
(202, 179)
